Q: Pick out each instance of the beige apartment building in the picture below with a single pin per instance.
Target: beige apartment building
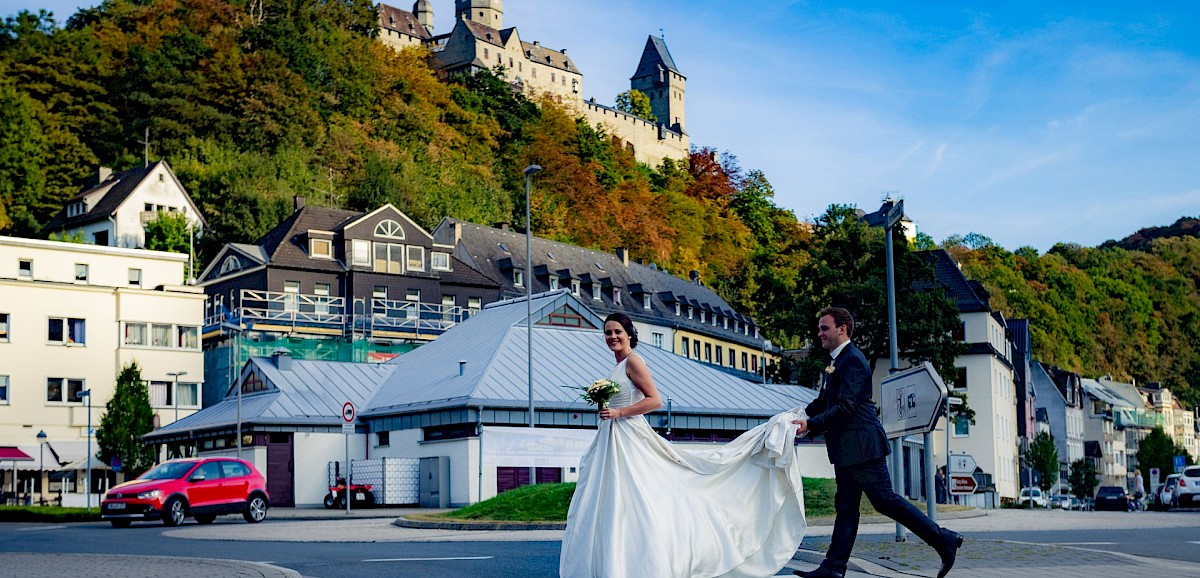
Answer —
(71, 316)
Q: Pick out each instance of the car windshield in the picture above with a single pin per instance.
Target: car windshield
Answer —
(168, 471)
(1108, 492)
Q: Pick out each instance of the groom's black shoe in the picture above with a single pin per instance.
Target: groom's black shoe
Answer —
(820, 572)
(948, 551)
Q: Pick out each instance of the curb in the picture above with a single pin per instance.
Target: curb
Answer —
(404, 522)
(878, 519)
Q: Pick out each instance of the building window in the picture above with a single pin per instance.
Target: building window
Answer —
(229, 265)
(75, 209)
(383, 439)
(719, 349)
(696, 349)
(187, 395)
(389, 229)
(553, 283)
(958, 380)
(135, 334)
(320, 248)
(388, 258)
(135, 277)
(708, 352)
(412, 295)
(66, 331)
(575, 286)
(656, 339)
(361, 252)
(439, 261)
(518, 278)
(474, 304)
(81, 273)
(690, 312)
(725, 323)
(646, 301)
(962, 426)
(703, 315)
(687, 347)
(745, 361)
(959, 333)
(291, 297)
(3, 390)
(677, 310)
(4, 320)
(63, 390)
(25, 269)
(160, 335)
(188, 337)
(380, 292)
(160, 394)
(416, 258)
(596, 291)
(616, 296)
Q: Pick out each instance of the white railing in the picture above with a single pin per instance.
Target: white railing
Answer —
(300, 311)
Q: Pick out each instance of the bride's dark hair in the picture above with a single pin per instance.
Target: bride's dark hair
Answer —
(626, 324)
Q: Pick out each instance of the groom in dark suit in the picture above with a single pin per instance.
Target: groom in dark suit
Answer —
(857, 447)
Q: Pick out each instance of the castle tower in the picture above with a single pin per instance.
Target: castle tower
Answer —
(660, 79)
(489, 13)
(423, 10)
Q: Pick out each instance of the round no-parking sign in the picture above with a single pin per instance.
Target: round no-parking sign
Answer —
(348, 412)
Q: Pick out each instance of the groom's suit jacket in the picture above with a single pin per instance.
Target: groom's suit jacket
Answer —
(845, 413)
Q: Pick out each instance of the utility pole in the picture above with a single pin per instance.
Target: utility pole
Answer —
(145, 142)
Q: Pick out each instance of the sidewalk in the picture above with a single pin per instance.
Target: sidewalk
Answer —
(18, 565)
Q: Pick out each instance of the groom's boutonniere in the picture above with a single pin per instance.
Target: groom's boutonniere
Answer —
(829, 370)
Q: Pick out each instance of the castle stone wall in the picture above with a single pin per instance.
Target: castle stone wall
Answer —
(651, 144)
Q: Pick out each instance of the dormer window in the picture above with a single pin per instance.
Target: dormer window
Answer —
(518, 278)
(231, 264)
(77, 208)
(646, 301)
(389, 229)
(702, 316)
(616, 296)
(553, 283)
(575, 286)
(690, 312)
(677, 310)
(439, 261)
(320, 248)
(596, 291)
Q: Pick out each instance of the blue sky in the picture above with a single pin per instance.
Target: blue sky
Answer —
(1029, 123)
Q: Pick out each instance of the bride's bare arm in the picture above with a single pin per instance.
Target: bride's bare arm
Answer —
(639, 374)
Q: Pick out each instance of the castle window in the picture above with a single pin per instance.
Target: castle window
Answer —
(551, 77)
(485, 51)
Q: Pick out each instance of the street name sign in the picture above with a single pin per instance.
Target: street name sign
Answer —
(911, 401)
(960, 485)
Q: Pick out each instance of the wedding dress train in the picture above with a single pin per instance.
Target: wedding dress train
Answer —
(644, 508)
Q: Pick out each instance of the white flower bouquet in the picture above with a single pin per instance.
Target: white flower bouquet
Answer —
(599, 392)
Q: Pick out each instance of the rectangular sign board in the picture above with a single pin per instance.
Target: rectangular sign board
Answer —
(961, 485)
(348, 428)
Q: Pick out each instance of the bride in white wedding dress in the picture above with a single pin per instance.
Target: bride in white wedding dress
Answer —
(644, 508)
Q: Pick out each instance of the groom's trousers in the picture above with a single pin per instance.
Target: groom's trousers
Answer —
(871, 478)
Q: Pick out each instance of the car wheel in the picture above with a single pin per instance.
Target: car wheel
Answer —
(329, 503)
(174, 512)
(256, 510)
(205, 518)
(119, 523)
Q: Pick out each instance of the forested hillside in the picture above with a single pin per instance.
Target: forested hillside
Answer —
(254, 102)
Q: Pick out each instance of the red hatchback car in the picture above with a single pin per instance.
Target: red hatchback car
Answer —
(202, 488)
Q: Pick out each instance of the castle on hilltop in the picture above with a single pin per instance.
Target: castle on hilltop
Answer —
(480, 41)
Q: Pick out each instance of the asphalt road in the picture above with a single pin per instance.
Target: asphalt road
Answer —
(1180, 541)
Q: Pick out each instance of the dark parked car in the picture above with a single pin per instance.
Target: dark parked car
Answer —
(1112, 498)
(202, 488)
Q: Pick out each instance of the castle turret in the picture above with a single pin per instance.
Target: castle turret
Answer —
(489, 13)
(659, 78)
(423, 10)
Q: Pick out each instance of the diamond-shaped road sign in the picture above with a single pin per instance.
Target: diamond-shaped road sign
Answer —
(911, 401)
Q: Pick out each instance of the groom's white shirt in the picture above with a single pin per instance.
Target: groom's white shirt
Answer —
(837, 351)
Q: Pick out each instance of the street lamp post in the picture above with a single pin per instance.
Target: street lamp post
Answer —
(175, 394)
(234, 375)
(766, 344)
(528, 280)
(41, 438)
(88, 487)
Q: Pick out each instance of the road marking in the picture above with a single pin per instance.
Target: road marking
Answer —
(40, 528)
(429, 559)
(1084, 543)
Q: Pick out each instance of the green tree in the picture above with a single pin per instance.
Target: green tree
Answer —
(127, 417)
(169, 232)
(1043, 458)
(1158, 450)
(1083, 478)
(635, 102)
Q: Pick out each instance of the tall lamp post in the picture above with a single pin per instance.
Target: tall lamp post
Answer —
(234, 373)
(175, 393)
(41, 438)
(528, 280)
(766, 344)
(88, 487)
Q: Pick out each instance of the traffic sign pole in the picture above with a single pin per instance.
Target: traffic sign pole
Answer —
(348, 417)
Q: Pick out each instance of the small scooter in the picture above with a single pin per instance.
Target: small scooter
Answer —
(361, 495)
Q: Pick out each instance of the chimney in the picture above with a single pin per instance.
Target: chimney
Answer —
(564, 51)
(462, 366)
(623, 255)
(537, 42)
(103, 174)
(503, 226)
(456, 230)
(298, 202)
(283, 359)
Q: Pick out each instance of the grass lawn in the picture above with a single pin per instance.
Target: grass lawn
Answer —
(47, 514)
(549, 502)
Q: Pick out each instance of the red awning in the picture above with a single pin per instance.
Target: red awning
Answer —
(11, 454)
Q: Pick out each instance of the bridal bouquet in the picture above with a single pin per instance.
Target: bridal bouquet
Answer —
(599, 392)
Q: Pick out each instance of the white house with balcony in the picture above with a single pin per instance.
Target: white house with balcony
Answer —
(113, 211)
(71, 317)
